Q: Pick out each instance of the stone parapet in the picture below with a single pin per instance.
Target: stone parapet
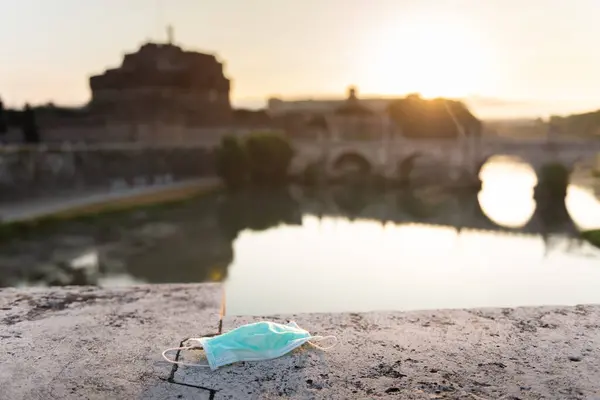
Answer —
(74, 343)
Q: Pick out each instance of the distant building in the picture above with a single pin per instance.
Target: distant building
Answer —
(165, 83)
(345, 119)
(353, 120)
(160, 93)
(439, 118)
(278, 107)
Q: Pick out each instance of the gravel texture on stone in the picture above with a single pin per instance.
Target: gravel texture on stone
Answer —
(88, 343)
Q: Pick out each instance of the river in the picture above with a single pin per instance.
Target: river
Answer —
(343, 249)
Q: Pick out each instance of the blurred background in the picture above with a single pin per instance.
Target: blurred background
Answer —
(313, 156)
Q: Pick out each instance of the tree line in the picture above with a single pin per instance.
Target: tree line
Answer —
(24, 119)
(261, 159)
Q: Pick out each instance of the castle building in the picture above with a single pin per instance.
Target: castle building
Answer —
(163, 82)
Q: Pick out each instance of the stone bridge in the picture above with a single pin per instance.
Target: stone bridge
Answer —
(460, 157)
(30, 172)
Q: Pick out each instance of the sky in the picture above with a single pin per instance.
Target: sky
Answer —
(506, 57)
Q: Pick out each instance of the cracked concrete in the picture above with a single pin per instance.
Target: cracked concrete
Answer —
(92, 343)
(96, 343)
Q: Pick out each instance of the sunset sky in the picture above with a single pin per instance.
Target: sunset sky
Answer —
(509, 57)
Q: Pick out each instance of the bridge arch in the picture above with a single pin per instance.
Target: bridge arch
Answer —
(507, 190)
(405, 166)
(583, 199)
(353, 162)
(510, 213)
(537, 161)
(351, 202)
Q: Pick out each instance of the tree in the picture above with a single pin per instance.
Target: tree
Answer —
(29, 126)
(261, 158)
(232, 162)
(270, 156)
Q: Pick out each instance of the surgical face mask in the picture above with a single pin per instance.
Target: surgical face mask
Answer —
(253, 342)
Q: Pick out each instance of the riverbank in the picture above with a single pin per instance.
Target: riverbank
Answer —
(86, 342)
(78, 204)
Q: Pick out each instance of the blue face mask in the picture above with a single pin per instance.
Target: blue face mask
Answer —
(253, 342)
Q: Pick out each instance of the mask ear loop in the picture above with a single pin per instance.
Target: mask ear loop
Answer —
(321, 338)
(164, 354)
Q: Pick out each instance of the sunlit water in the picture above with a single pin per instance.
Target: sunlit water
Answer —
(507, 192)
(334, 264)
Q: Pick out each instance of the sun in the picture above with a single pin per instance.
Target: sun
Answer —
(433, 57)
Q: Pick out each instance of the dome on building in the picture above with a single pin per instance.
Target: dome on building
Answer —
(352, 106)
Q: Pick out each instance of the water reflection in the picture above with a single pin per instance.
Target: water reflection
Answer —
(507, 198)
(87, 260)
(196, 243)
(119, 280)
(421, 204)
(83, 269)
(425, 249)
(333, 264)
(346, 248)
(584, 207)
(256, 210)
(507, 191)
(197, 250)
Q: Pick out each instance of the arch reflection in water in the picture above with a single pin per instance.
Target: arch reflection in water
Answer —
(334, 264)
(583, 207)
(339, 250)
(583, 199)
(506, 196)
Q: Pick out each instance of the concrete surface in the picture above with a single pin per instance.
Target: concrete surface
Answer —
(87, 343)
(42, 207)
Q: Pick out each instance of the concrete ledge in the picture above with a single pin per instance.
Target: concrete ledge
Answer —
(91, 343)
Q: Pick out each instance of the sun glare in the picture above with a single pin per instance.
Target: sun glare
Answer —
(433, 57)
